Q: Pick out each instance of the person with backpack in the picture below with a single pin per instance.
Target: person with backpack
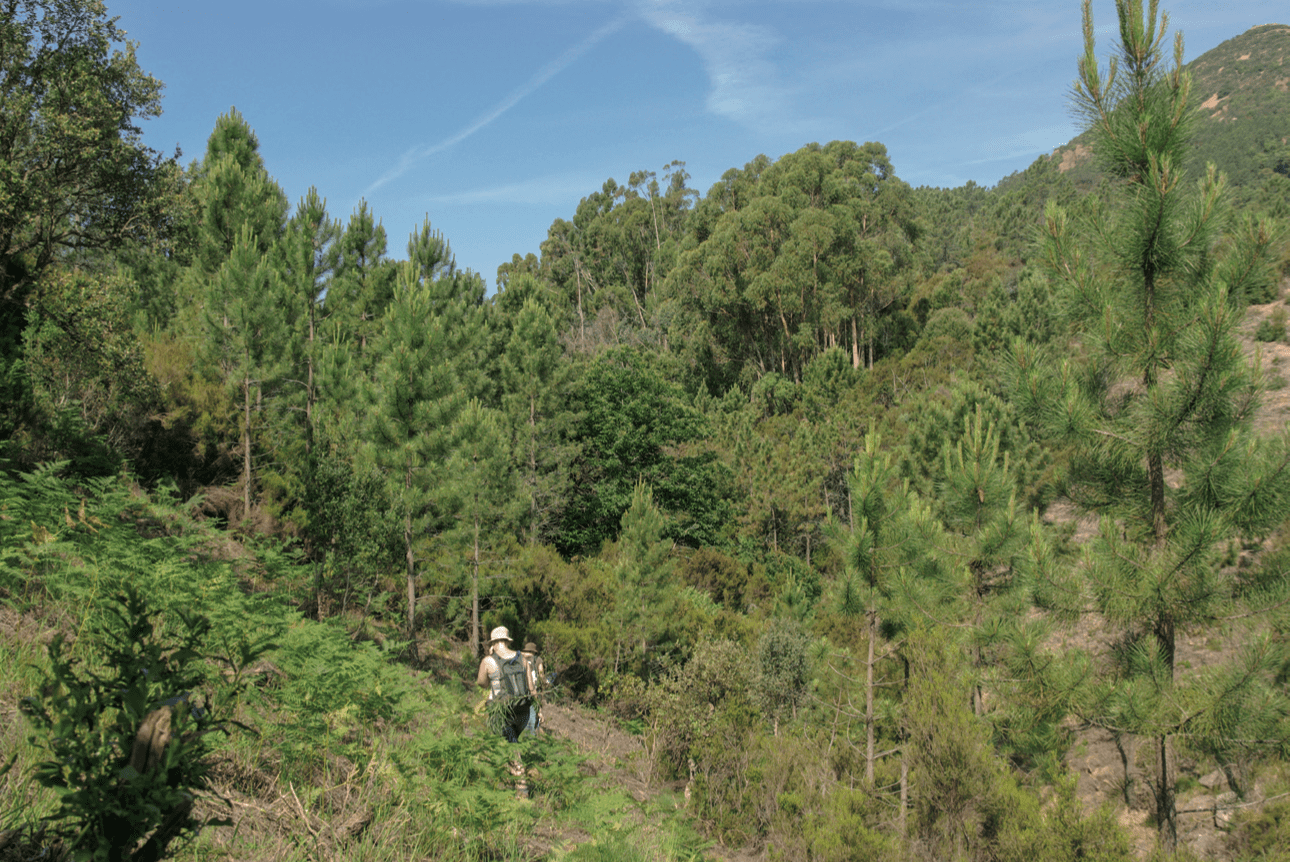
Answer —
(509, 677)
(538, 680)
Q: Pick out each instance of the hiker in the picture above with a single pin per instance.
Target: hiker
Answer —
(507, 675)
(538, 679)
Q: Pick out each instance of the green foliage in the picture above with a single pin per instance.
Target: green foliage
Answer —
(349, 527)
(533, 382)
(75, 181)
(783, 669)
(127, 734)
(75, 171)
(236, 196)
(810, 253)
(1243, 130)
(333, 688)
(841, 832)
(88, 394)
(696, 710)
(363, 284)
(952, 769)
(1261, 834)
(609, 262)
(726, 581)
(635, 427)
(1153, 283)
(422, 382)
(245, 323)
(1274, 327)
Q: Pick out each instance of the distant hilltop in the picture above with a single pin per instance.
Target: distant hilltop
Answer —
(1242, 86)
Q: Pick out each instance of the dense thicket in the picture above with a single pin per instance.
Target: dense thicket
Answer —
(770, 470)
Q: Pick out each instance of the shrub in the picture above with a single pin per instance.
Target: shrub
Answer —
(1274, 327)
(127, 734)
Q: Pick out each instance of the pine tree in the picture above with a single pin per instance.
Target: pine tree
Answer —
(1158, 406)
(883, 548)
(363, 281)
(245, 331)
(307, 256)
(429, 366)
(415, 400)
(984, 538)
(235, 191)
(642, 571)
(532, 374)
(480, 489)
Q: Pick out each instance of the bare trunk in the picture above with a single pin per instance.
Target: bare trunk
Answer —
(903, 795)
(1164, 791)
(870, 702)
(246, 445)
(1126, 748)
(1165, 795)
(475, 590)
(408, 560)
(309, 389)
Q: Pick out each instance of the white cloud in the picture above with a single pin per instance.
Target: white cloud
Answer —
(744, 85)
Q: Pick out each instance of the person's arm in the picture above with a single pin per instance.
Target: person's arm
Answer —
(482, 676)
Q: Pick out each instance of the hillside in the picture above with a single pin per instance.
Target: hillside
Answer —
(1241, 88)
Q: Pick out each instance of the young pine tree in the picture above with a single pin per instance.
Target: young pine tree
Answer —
(886, 567)
(363, 282)
(643, 571)
(413, 403)
(245, 327)
(480, 482)
(533, 372)
(1157, 407)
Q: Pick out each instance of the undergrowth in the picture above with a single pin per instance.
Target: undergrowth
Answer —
(349, 753)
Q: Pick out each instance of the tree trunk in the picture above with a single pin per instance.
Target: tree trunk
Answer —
(903, 795)
(309, 389)
(408, 560)
(475, 589)
(1130, 774)
(870, 701)
(1165, 795)
(246, 445)
(1164, 791)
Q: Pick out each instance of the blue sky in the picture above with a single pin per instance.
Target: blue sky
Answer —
(495, 118)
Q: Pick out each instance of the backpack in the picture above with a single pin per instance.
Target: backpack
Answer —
(513, 677)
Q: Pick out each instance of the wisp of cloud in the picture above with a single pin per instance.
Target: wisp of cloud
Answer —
(541, 77)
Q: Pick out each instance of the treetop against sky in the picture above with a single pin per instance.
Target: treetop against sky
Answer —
(496, 117)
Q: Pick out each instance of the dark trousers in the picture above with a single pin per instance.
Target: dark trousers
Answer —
(515, 718)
